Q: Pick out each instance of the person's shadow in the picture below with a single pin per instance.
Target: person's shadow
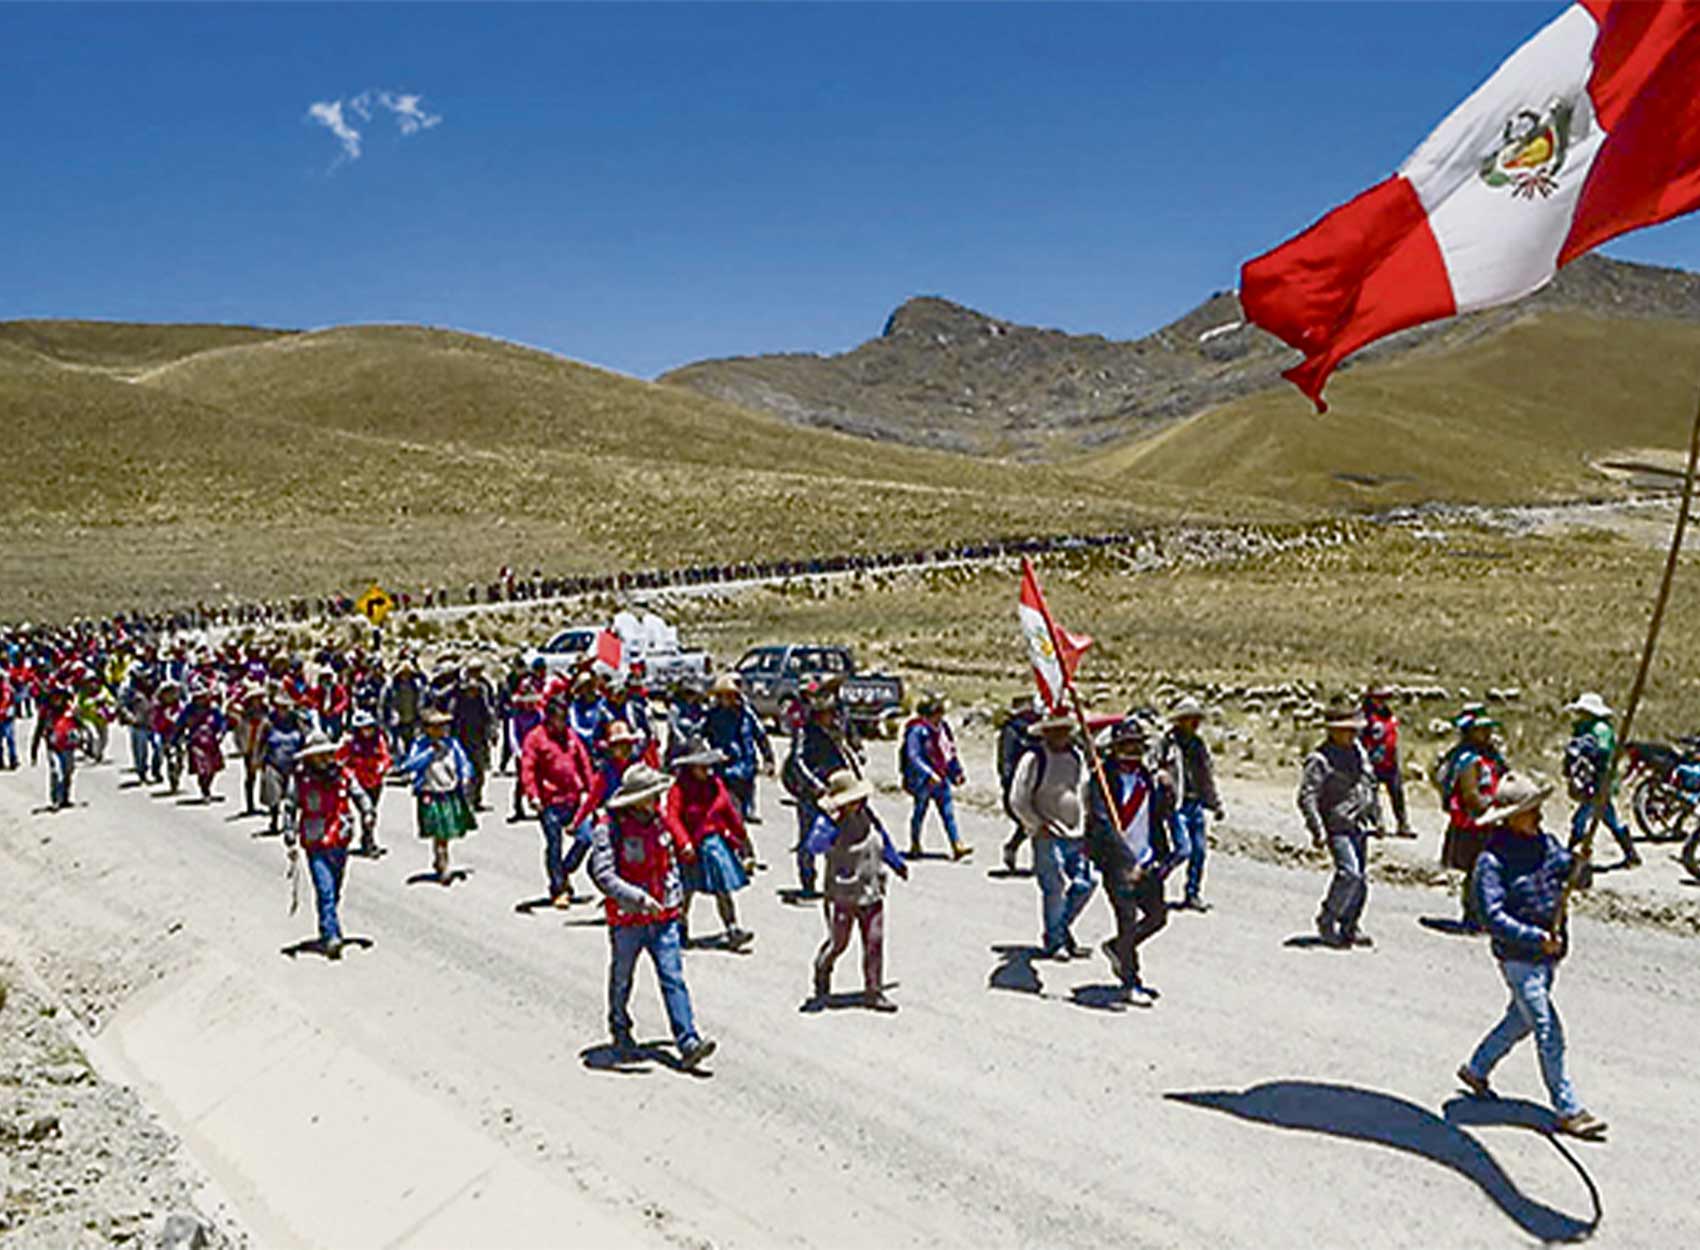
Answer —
(1386, 1120)
(1015, 971)
(636, 1061)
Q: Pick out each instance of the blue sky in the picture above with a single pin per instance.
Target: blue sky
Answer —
(640, 186)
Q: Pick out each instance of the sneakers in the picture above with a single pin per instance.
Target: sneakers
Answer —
(562, 901)
(1195, 903)
(737, 939)
(1477, 1085)
(693, 1053)
(1582, 1125)
(875, 1000)
(960, 852)
(1356, 938)
(333, 949)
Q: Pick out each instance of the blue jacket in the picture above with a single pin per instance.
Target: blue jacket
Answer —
(736, 732)
(922, 753)
(1518, 881)
(419, 756)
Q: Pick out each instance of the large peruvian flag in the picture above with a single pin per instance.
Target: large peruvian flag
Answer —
(1591, 129)
(1055, 653)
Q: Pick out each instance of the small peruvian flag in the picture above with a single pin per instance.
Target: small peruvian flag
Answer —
(1054, 652)
(1588, 131)
(610, 651)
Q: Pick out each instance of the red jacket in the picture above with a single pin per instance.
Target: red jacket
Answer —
(321, 802)
(554, 772)
(702, 808)
(6, 697)
(631, 854)
(368, 760)
(1380, 737)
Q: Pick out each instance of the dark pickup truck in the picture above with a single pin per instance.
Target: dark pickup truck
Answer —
(773, 678)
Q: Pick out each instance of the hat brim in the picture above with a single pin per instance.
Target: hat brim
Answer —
(707, 759)
(863, 789)
(1499, 815)
(623, 799)
(1051, 722)
(313, 753)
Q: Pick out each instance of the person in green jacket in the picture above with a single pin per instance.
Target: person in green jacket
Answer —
(1593, 742)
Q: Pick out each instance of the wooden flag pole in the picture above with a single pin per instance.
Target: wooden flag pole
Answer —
(1602, 795)
(1079, 710)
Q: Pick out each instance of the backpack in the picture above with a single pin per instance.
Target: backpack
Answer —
(1582, 767)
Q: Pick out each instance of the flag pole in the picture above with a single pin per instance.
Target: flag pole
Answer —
(1602, 794)
(1079, 710)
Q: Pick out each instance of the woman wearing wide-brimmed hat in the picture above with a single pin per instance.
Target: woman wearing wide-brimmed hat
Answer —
(634, 860)
(321, 824)
(441, 774)
(1519, 883)
(733, 728)
(700, 804)
(1476, 770)
(1337, 798)
(858, 851)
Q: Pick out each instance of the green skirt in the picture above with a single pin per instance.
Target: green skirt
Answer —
(444, 815)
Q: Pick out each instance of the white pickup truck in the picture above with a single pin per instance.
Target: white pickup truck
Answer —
(648, 639)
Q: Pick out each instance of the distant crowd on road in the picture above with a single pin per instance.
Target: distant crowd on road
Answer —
(655, 792)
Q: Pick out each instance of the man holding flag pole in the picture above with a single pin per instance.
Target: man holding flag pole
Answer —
(1586, 132)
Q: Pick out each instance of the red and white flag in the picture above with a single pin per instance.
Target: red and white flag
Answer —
(1054, 651)
(1589, 130)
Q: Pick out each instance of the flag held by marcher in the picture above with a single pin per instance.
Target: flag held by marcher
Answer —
(1053, 651)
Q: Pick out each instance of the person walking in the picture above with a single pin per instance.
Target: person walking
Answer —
(442, 777)
(1130, 852)
(931, 770)
(365, 756)
(732, 728)
(1046, 796)
(404, 699)
(1381, 741)
(200, 731)
(1477, 767)
(1014, 741)
(473, 709)
(249, 730)
(634, 861)
(321, 826)
(1188, 772)
(701, 805)
(1337, 798)
(8, 726)
(1587, 758)
(1519, 881)
(555, 773)
(283, 741)
(858, 852)
(56, 728)
(822, 744)
(525, 713)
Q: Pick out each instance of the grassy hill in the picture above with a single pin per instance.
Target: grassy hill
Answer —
(261, 463)
(1519, 415)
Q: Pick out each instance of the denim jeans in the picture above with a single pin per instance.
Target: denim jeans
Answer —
(1531, 1011)
(1349, 889)
(327, 867)
(582, 837)
(806, 813)
(144, 752)
(61, 767)
(1065, 882)
(554, 821)
(936, 795)
(8, 743)
(1609, 818)
(1188, 835)
(665, 945)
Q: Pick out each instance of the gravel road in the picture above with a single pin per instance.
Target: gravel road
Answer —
(446, 1085)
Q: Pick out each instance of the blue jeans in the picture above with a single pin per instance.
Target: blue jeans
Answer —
(665, 945)
(554, 820)
(1188, 836)
(940, 796)
(1065, 882)
(1531, 1011)
(61, 767)
(326, 867)
(582, 837)
(806, 813)
(8, 743)
(144, 752)
(1609, 818)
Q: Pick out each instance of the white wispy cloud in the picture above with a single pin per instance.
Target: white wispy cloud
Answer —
(408, 109)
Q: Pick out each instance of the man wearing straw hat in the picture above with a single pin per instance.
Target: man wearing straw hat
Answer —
(1045, 795)
(1130, 851)
(1593, 742)
(634, 862)
(1337, 797)
(321, 799)
(1188, 772)
(1519, 884)
(858, 851)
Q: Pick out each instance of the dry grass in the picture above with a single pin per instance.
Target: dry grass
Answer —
(1515, 417)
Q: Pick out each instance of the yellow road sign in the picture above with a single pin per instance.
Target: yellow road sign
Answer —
(375, 604)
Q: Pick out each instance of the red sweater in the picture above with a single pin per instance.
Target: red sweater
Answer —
(702, 808)
(554, 772)
(369, 760)
(321, 800)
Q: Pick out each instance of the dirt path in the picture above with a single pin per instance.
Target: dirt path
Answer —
(446, 1088)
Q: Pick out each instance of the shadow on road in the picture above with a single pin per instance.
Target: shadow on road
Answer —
(1448, 925)
(1015, 971)
(1311, 942)
(1387, 1120)
(311, 946)
(636, 1061)
(430, 878)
